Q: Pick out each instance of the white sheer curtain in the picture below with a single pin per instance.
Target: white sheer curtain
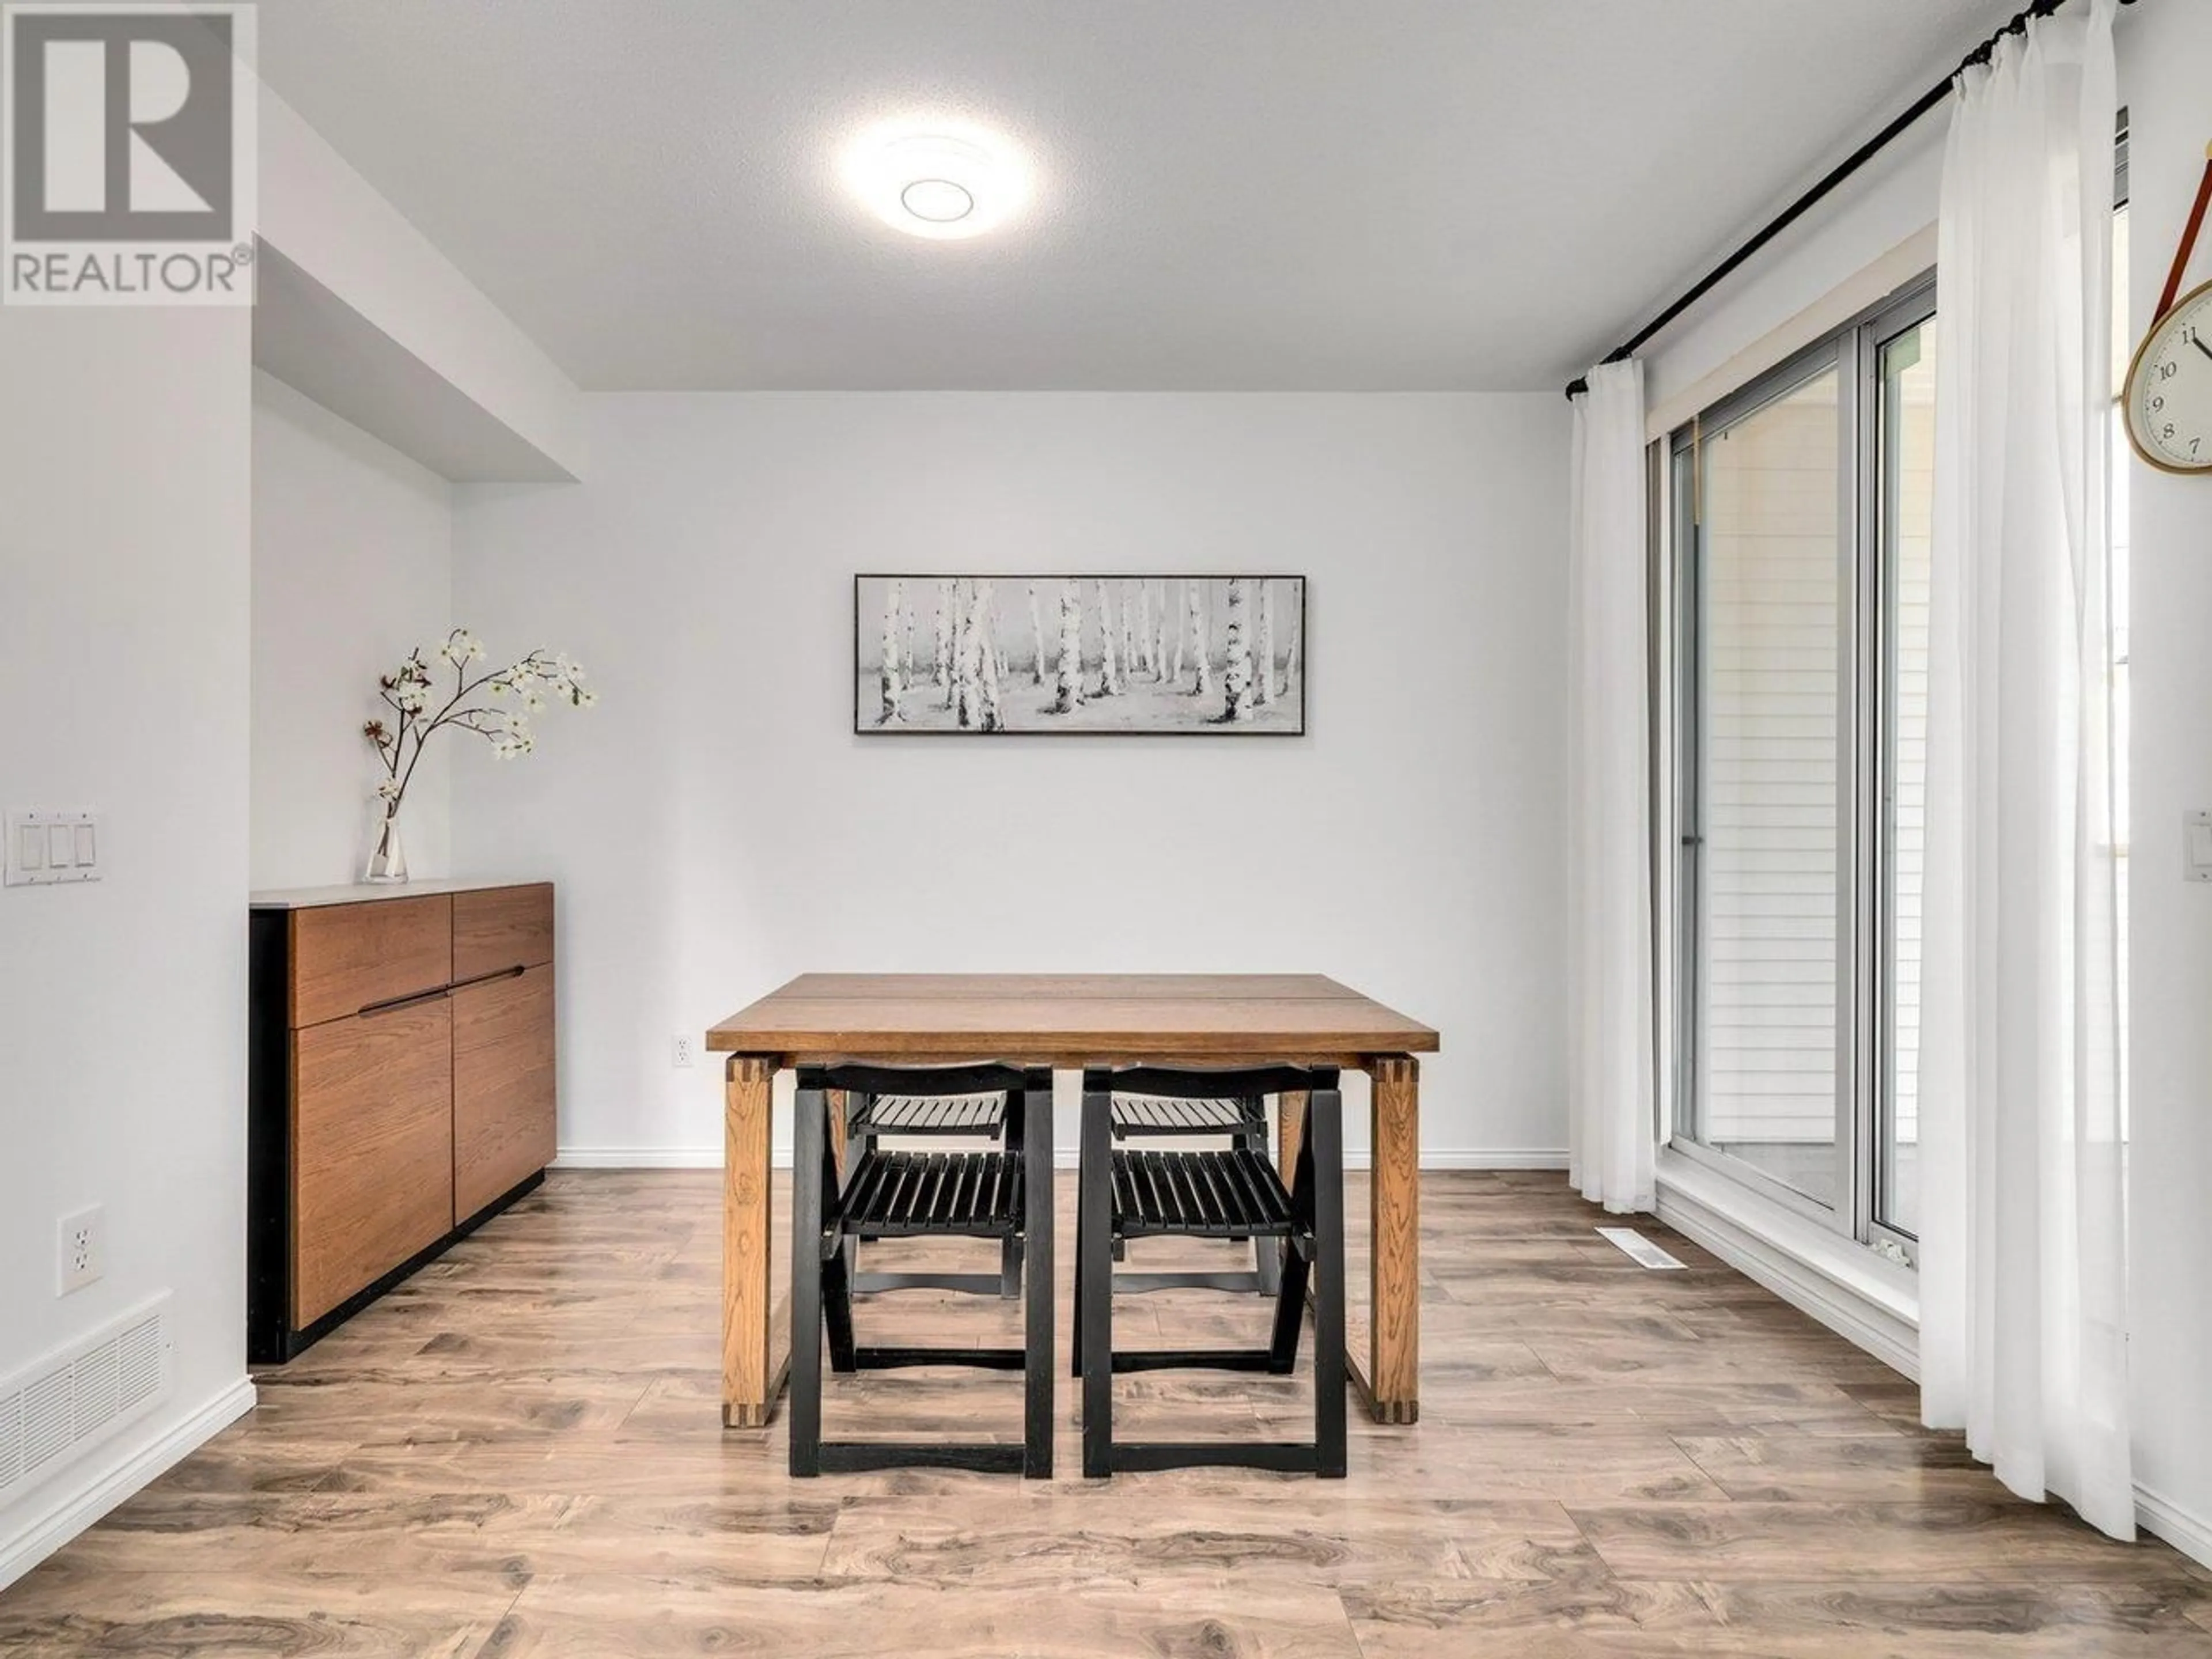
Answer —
(2023, 1316)
(1610, 1127)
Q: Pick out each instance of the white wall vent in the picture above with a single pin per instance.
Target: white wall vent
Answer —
(49, 1410)
(11, 1440)
(138, 1367)
(48, 1428)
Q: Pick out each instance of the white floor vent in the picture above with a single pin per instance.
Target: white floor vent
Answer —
(1639, 1249)
(49, 1410)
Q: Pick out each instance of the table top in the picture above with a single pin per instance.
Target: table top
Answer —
(314, 898)
(1072, 1019)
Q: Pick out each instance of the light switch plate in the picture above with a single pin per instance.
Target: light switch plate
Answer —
(46, 849)
(2197, 846)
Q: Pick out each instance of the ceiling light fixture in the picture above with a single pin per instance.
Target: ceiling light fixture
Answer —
(937, 180)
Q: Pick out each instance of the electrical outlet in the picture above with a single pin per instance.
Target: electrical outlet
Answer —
(83, 1255)
(679, 1053)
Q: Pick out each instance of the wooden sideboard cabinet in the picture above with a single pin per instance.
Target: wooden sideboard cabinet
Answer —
(401, 1086)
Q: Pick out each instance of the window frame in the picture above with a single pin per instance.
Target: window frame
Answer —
(1864, 759)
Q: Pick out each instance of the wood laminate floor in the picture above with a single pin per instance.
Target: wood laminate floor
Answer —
(516, 1455)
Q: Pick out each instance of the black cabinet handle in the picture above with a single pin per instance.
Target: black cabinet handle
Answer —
(398, 1003)
(515, 972)
(395, 1003)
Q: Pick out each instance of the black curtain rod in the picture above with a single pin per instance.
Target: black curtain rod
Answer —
(1836, 175)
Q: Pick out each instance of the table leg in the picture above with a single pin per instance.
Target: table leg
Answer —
(1393, 1358)
(1290, 1128)
(841, 1108)
(752, 1371)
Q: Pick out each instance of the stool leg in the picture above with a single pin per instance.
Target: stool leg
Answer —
(1290, 1293)
(1289, 1314)
(836, 1266)
(810, 1148)
(1081, 1256)
(1036, 1258)
(1325, 1135)
(837, 1313)
(1094, 1196)
(857, 1142)
(1010, 1249)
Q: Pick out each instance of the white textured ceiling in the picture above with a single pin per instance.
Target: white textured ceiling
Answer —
(1234, 194)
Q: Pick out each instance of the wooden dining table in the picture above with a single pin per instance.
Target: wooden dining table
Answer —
(1069, 1021)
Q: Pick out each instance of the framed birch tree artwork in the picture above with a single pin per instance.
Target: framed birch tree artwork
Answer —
(1180, 655)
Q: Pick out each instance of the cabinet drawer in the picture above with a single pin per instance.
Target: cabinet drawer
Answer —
(372, 1148)
(503, 1086)
(347, 956)
(503, 928)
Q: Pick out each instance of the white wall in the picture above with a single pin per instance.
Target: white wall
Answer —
(352, 566)
(716, 827)
(2166, 61)
(124, 464)
(334, 225)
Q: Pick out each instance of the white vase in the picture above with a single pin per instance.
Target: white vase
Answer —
(388, 850)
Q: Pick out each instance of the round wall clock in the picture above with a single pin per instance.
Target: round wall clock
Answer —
(2168, 397)
(2169, 391)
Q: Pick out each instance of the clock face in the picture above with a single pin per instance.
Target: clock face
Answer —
(2169, 391)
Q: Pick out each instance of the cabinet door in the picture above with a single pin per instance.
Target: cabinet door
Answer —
(372, 1148)
(503, 928)
(503, 1088)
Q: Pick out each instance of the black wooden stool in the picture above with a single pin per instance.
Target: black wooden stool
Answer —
(869, 1118)
(1243, 1120)
(1132, 1192)
(893, 1194)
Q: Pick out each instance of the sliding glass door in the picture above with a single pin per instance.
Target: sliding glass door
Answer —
(1906, 420)
(1802, 522)
(1768, 858)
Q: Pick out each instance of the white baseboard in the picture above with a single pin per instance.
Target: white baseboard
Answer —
(710, 1158)
(2189, 1532)
(646, 1158)
(1481, 1158)
(102, 1485)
